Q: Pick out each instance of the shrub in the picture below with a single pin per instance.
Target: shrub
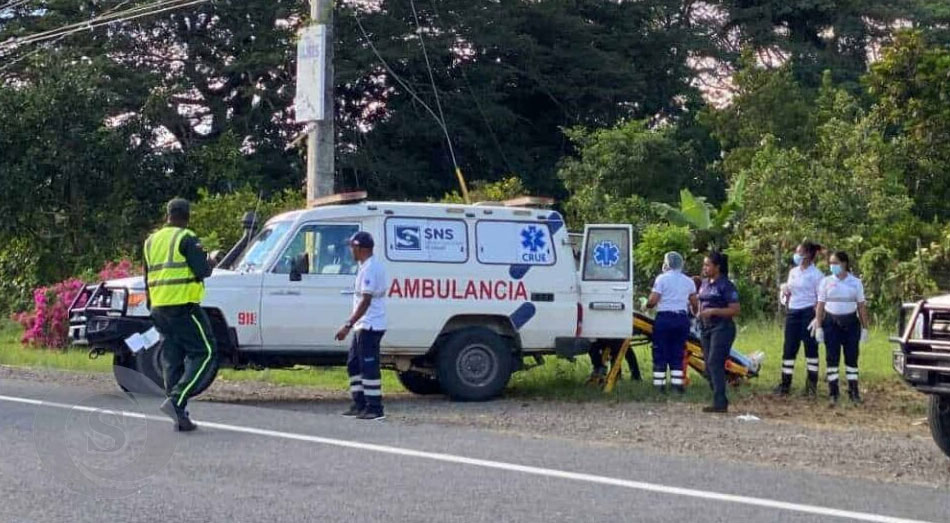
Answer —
(47, 324)
(215, 218)
(18, 275)
(657, 240)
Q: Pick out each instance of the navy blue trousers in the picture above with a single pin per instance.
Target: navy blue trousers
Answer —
(670, 332)
(362, 365)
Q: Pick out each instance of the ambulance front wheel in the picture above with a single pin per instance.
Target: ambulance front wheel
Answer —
(419, 383)
(474, 364)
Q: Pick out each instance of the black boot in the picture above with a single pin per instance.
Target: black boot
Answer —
(811, 386)
(833, 392)
(785, 387)
(679, 389)
(660, 389)
(179, 415)
(853, 393)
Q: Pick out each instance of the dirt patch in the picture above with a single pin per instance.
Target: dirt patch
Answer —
(885, 439)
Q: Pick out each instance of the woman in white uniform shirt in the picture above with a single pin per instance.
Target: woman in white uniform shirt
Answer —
(800, 293)
(673, 295)
(843, 320)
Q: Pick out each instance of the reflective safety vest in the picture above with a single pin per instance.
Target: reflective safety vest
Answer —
(170, 280)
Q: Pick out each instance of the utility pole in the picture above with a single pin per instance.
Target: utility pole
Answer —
(320, 138)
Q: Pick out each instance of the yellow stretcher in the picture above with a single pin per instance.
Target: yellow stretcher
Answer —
(739, 367)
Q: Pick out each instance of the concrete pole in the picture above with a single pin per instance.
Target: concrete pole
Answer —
(320, 139)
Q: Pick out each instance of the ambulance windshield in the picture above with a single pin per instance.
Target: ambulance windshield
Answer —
(262, 246)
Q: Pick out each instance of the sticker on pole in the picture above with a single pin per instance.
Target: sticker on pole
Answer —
(311, 59)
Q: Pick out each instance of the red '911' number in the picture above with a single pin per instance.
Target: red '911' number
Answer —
(247, 318)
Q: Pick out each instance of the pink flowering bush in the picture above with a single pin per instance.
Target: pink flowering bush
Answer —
(47, 325)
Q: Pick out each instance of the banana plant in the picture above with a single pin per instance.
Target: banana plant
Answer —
(711, 226)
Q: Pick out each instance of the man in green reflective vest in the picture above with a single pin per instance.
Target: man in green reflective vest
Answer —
(175, 268)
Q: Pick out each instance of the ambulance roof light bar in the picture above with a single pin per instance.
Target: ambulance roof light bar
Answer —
(338, 199)
(540, 202)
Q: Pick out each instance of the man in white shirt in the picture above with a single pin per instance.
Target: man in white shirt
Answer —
(369, 322)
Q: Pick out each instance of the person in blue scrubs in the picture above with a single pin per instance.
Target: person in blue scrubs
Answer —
(719, 304)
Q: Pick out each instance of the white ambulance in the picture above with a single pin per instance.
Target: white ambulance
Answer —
(473, 291)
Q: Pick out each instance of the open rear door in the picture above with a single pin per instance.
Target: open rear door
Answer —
(607, 281)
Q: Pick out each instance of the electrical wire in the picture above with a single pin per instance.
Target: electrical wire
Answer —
(435, 90)
(478, 105)
(395, 76)
(121, 16)
(13, 4)
(39, 49)
(438, 104)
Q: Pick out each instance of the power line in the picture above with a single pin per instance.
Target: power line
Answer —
(13, 4)
(435, 89)
(37, 50)
(121, 16)
(393, 73)
(478, 105)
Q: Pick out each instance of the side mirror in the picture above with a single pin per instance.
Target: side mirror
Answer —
(299, 267)
(215, 257)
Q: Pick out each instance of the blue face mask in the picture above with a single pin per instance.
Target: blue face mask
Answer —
(797, 259)
(836, 269)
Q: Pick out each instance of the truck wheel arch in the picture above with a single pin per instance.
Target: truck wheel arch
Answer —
(500, 325)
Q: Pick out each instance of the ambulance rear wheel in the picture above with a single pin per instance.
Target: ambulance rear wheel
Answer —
(419, 383)
(474, 364)
(939, 416)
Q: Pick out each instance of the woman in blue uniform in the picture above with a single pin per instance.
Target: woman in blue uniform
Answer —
(719, 304)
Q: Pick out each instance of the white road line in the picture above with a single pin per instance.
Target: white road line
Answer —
(500, 465)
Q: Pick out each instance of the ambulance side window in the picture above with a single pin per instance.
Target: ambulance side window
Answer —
(607, 256)
(326, 245)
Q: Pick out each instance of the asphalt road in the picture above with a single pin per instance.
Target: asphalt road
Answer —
(114, 458)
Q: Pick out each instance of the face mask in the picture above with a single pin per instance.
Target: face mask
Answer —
(836, 269)
(797, 259)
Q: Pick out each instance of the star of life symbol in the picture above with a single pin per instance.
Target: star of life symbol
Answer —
(532, 238)
(606, 254)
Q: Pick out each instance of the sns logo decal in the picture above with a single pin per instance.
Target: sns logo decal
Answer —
(408, 238)
(606, 254)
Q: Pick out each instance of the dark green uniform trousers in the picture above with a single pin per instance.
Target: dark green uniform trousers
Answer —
(189, 357)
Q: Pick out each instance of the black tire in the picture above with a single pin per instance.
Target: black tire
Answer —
(939, 416)
(419, 383)
(141, 373)
(474, 364)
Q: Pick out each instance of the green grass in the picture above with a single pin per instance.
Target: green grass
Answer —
(556, 379)
(561, 379)
(12, 352)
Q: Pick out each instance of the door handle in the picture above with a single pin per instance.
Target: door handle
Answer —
(622, 288)
(349, 292)
(284, 293)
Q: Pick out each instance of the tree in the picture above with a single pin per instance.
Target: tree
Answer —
(73, 181)
(812, 36)
(911, 85)
(509, 74)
